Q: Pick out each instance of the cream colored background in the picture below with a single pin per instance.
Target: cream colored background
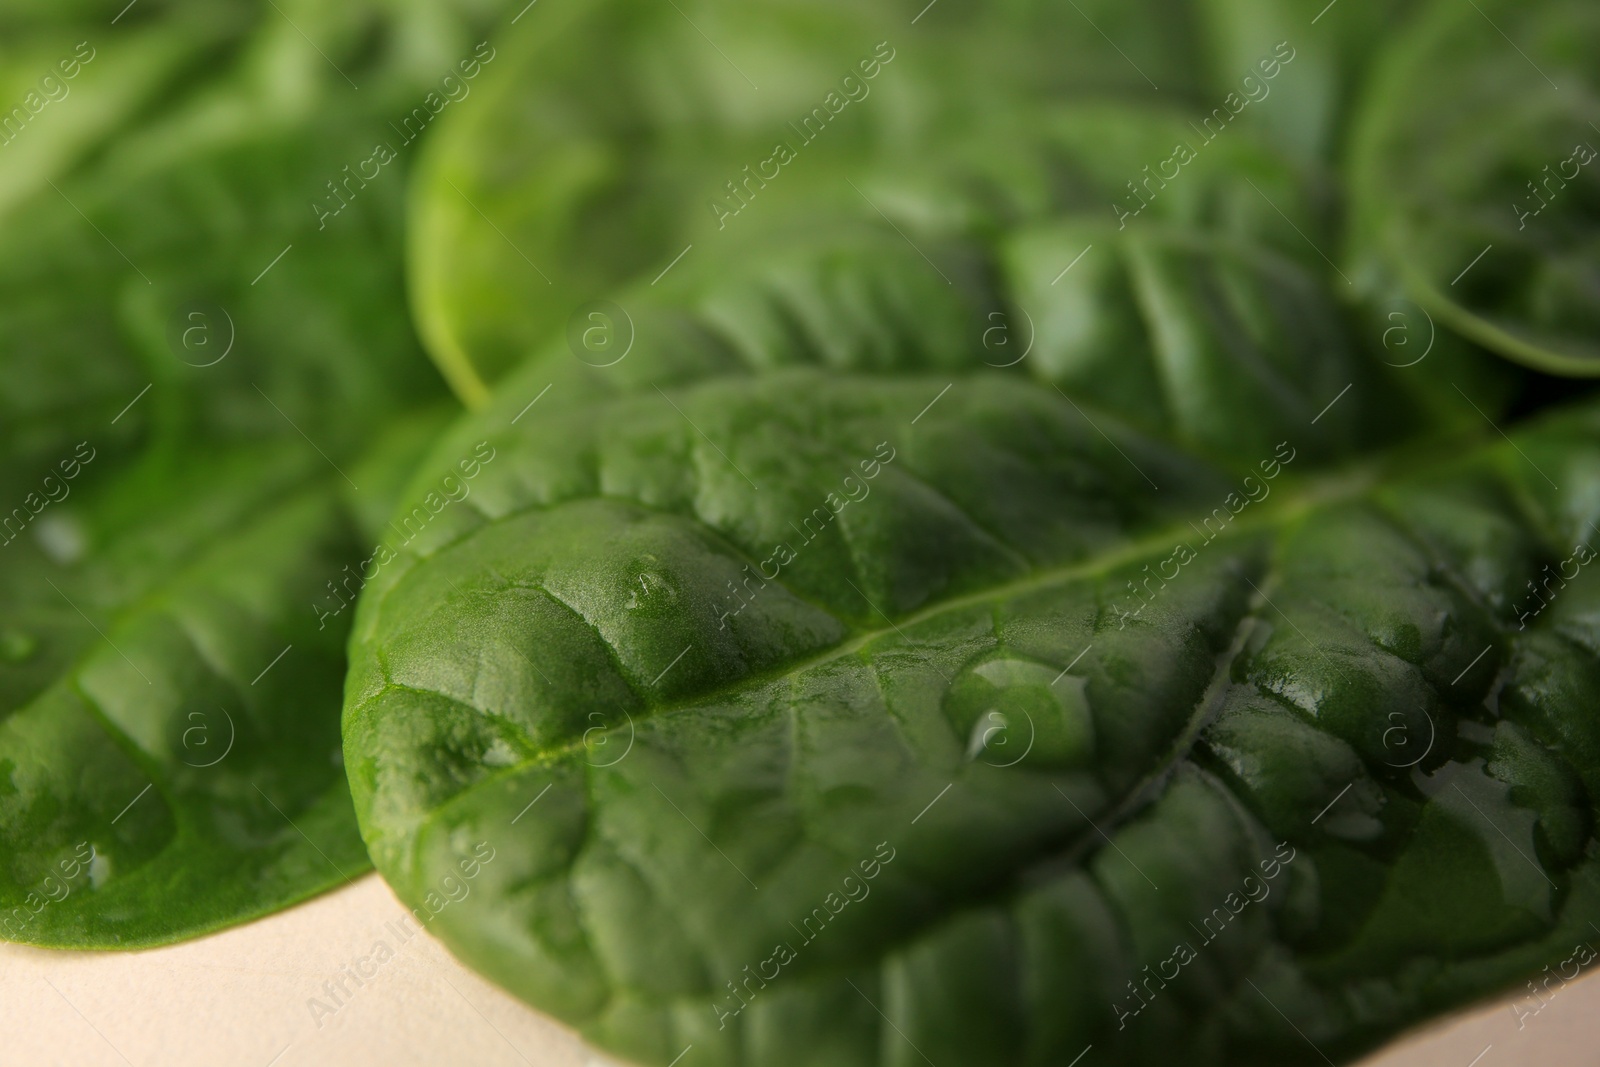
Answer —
(239, 998)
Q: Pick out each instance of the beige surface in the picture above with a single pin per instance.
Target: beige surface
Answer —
(244, 997)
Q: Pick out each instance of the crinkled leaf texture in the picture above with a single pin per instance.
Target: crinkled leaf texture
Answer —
(796, 690)
(806, 723)
(1475, 176)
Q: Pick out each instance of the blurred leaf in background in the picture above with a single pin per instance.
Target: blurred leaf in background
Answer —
(251, 394)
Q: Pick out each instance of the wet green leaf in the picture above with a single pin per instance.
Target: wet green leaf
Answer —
(675, 644)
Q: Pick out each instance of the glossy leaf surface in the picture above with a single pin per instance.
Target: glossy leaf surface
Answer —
(676, 645)
(917, 612)
(691, 701)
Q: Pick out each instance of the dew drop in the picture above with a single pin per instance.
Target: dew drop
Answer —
(62, 537)
(1013, 711)
(649, 586)
(99, 869)
(991, 726)
(499, 754)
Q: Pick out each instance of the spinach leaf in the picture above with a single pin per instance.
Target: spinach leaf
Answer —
(163, 281)
(226, 251)
(1472, 177)
(1192, 314)
(574, 177)
(172, 656)
(1329, 51)
(570, 179)
(1217, 344)
(170, 669)
(168, 754)
(796, 720)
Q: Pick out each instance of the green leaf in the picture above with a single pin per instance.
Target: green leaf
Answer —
(1189, 322)
(650, 706)
(573, 178)
(170, 672)
(163, 281)
(1468, 180)
(225, 250)
(782, 686)
(1329, 50)
(181, 562)
(169, 758)
(1220, 346)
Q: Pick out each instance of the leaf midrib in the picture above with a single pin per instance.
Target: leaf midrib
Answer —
(1316, 491)
(1357, 480)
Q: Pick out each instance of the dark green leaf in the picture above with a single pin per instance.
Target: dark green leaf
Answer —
(1475, 177)
(1008, 646)
(701, 724)
(580, 673)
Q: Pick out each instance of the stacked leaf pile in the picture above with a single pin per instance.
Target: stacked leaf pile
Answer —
(971, 534)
